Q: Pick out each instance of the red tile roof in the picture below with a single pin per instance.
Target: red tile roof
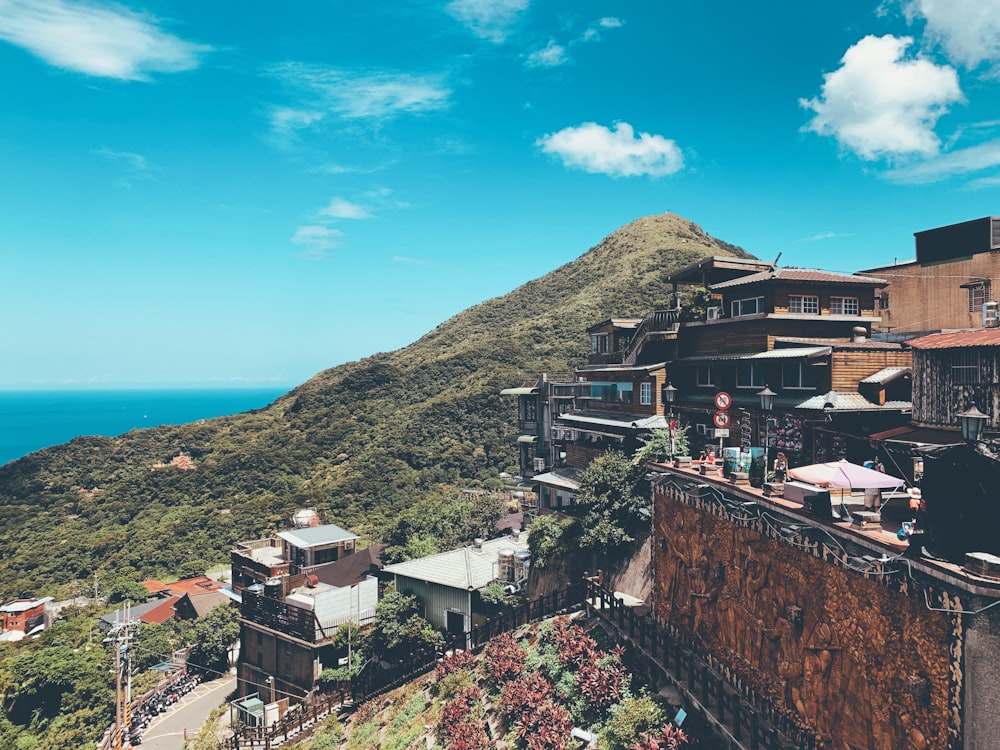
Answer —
(196, 585)
(982, 337)
(161, 613)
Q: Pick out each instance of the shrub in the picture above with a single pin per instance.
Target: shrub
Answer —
(519, 697)
(630, 720)
(547, 727)
(504, 658)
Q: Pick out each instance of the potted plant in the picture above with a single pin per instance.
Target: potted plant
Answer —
(658, 447)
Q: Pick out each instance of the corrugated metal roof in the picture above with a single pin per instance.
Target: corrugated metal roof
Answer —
(313, 536)
(887, 375)
(467, 569)
(791, 352)
(621, 368)
(558, 479)
(801, 274)
(518, 391)
(956, 339)
(845, 401)
(623, 421)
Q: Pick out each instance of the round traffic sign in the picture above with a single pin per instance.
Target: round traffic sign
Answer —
(721, 419)
(723, 400)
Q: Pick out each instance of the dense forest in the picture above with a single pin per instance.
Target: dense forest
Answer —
(372, 444)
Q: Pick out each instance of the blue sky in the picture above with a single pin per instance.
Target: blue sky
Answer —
(200, 193)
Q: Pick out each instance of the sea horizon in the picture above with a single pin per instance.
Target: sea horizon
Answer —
(37, 418)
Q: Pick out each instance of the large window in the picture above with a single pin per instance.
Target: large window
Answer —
(529, 406)
(750, 306)
(965, 366)
(599, 343)
(612, 393)
(645, 394)
(798, 375)
(749, 375)
(805, 304)
(705, 375)
(844, 306)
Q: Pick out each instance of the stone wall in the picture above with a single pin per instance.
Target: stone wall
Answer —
(859, 657)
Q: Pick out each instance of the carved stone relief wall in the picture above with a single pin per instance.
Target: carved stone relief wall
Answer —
(860, 659)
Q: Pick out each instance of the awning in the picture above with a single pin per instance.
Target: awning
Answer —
(527, 438)
(624, 421)
(518, 391)
(918, 436)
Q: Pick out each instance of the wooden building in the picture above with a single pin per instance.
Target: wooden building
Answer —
(954, 371)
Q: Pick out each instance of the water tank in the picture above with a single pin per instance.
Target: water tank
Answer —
(505, 558)
(272, 588)
(305, 518)
(522, 561)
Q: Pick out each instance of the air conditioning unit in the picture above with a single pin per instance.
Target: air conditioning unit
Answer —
(991, 315)
(538, 464)
(713, 313)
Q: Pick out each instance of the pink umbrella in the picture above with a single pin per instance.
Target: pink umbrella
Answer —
(844, 474)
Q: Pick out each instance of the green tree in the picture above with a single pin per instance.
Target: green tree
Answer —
(610, 499)
(659, 442)
(212, 637)
(546, 539)
(399, 630)
(127, 591)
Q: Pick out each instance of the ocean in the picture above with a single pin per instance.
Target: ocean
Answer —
(31, 420)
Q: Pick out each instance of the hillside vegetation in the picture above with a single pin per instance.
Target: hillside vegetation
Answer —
(367, 443)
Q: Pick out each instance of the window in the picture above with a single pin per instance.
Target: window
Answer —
(750, 306)
(798, 375)
(965, 367)
(705, 375)
(599, 343)
(844, 306)
(749, 376)
(883, 301)
(645, 394)
(529, 407)
(798, 303)
(612, 393)
(978, 294)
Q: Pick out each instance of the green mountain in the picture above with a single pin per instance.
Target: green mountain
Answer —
(363, 442)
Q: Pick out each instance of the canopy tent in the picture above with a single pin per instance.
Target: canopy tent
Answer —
(844, 474)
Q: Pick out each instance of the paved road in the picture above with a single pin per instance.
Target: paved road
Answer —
(166, 731)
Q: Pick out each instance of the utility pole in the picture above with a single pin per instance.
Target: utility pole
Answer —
(119, 635)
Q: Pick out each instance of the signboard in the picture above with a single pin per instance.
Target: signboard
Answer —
(723, 401)
(721, 432)
(721, 419)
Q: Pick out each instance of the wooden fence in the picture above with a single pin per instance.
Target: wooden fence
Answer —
(741, 715)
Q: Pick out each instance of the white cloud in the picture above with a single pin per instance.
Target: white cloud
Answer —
(968, 30)
(288, 120)
(488, 19)
(316, 240)
(880, 104)
(962, 161)
(377, 95)
(340, 208)
(824, 236)
(104, 41)
(618, 153)
(593, 33)
(551, 56)
(405, 259)
(135, 162)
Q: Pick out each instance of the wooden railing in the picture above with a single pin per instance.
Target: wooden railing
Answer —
(658, 321)
(742, 717)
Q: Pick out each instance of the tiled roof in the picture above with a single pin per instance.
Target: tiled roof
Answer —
(467, 569)
(313, 536)
(195, 585)
(956, 339)
(801, 274)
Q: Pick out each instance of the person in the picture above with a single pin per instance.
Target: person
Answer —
(780, 467)
(915, 501)
(877, 465)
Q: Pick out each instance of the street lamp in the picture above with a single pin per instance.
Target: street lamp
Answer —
(972, 423)
(766, 406)
(669, 394)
